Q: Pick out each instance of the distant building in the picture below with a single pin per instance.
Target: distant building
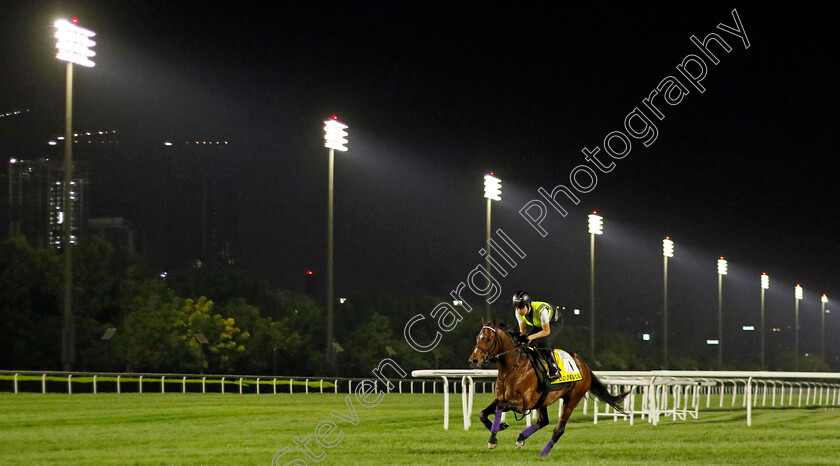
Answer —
(115, 230)
(36, 201)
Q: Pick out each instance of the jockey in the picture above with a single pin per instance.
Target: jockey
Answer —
(535, 319)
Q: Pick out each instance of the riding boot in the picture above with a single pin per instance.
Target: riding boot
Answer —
(554, 370)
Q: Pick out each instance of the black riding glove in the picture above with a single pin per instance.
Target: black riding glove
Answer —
(522, 339)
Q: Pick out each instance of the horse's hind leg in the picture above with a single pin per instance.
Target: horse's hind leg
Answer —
(569, 405)
(541, 422)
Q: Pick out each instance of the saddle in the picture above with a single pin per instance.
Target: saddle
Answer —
(568, 370)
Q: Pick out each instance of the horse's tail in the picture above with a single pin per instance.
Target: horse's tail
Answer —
(599, 390)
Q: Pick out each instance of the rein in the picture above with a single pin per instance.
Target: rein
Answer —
(496, 356)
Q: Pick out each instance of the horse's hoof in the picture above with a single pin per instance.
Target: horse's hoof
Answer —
(520, 444)
(492, 446)
(503, 426)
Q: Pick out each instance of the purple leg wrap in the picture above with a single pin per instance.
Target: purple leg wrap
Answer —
(547, 448)
(496, 421)
(529, 431)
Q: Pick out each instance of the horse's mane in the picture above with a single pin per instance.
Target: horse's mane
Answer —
(511, 333)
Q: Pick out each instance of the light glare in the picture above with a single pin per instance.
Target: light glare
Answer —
(596, 224)
(667, 248)
(74, 43)
(335, 136)
(492, 188)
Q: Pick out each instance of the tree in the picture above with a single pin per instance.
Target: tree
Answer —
(367, 345)
(100, 272)
(269, 340)
(148, 342)
(30, 313)
(225, 339)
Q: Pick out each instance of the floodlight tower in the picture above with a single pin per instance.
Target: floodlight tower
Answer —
(823, 299)
(492, 192)
(667, 251)
(797, 293)
(74, 46)
(596, 227)
(335, 139)
(765, 285)
(722, 269)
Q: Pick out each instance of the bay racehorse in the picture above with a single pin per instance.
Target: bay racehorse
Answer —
(517, 386)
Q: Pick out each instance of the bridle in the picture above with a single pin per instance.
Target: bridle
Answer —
(491, 357)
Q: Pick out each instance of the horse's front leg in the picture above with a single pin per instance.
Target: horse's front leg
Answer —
(494, 429)
(486, 412)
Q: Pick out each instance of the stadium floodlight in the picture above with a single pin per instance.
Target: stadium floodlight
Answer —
(596, 227)
(73, 44)
(823, 300)
(492, 192)
(667, 251)
(797, 293)
(335, 139)
(492, 187)
(765, 285)
(596, 224)
(334, 135)
(667, 247)
(722, 269)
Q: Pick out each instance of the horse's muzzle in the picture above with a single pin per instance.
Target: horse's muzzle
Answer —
(474, 363)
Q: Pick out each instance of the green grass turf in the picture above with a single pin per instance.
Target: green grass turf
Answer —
(403, 429)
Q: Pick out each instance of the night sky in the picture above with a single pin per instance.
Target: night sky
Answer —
(436, 96)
